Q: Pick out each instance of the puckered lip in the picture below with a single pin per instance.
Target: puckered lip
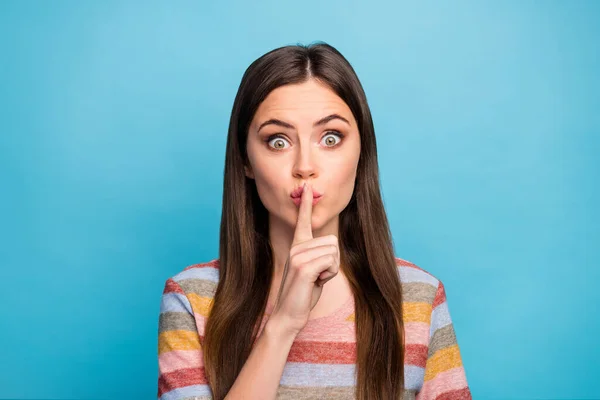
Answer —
(298, 192)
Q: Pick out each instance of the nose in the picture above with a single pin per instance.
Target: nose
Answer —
(305, 165)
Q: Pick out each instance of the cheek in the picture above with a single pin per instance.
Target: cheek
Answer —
(344, 182)
(268, 182)
(267, 177)
(345, 175)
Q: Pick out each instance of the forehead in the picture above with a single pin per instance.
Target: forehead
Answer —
(310, 100)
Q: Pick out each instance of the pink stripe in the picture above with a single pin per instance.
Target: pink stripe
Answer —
(200, 323)
(343, 331)
(333, 331)
(446, 381)
(180, 359)
(416, 333)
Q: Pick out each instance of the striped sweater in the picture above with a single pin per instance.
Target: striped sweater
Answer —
(322, 360)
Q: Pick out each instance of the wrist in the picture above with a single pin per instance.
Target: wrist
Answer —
(277, 329)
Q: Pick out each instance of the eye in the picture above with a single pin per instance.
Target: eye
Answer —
(331, 142)
(278, 139)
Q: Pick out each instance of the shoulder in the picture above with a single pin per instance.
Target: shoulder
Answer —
(197, 280)
(418, 284)
(208, 271)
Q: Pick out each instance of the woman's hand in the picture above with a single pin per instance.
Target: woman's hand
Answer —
(311, 263)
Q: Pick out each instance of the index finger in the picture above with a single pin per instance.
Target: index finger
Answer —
(303, 230)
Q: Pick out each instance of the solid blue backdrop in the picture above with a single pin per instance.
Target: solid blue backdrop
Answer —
(113, 124)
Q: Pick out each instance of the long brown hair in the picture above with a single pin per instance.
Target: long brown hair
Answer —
(245, 254)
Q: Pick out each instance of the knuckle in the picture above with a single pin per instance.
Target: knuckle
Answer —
(305, 273)
(295, 261)
(294, 250)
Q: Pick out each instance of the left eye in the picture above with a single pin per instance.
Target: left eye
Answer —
(330, 135)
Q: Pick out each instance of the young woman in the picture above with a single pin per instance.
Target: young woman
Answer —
(307, 299)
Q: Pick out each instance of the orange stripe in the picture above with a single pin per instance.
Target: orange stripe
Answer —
(460, 394)
(415, 354)
(416, 312)
(200, 304)
(411, 312)
(178, 340)
(172, 287)
(345, 353)
(443, 360)
(181, 378)
(323, 352)
(440, 295)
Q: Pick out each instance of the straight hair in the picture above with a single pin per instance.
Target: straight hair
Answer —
(245, 252)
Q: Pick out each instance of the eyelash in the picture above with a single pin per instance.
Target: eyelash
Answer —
(331, 132)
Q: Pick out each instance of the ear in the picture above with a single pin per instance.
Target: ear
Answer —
(249, 172)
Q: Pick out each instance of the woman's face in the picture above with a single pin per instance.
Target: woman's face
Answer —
(303, 133)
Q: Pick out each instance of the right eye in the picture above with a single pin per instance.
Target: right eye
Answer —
(278, 141)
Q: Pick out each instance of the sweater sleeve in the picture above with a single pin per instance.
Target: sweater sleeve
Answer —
(180, 360)
(445, 377)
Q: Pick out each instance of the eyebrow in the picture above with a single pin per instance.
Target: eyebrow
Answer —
(283, 124)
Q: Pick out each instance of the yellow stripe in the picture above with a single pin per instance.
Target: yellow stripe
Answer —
(416, 312)
(201, 305)
(411, 312)
(178, 340)
(442, 360)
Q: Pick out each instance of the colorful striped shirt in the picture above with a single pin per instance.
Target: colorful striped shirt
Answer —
(322, 360)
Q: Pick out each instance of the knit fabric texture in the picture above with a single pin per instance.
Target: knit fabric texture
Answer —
(322, 360)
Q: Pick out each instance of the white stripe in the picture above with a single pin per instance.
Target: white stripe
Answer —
(408, 274)
(440, 317)
(175, 302)
(187, 392)
(413, 377)
(307, 374)
(208, 273)
(319, 375)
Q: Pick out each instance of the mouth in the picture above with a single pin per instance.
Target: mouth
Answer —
(296, 196)
(297, 193)
(298, 200)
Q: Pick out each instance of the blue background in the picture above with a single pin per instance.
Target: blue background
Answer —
(113, 125)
